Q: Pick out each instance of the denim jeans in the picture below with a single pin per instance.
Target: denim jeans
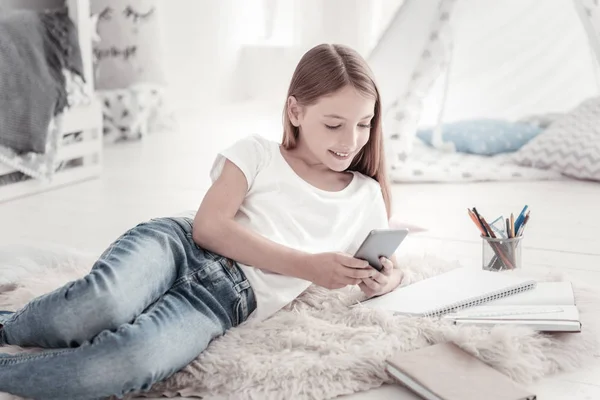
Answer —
(150, 305)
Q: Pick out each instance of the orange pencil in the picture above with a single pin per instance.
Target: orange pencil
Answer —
(476, 222)
(480, 219)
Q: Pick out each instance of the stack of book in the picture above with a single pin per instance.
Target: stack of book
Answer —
(550, 307)
(478, 297)
(446, 372)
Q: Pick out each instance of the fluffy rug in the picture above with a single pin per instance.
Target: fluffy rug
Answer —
(318, 348)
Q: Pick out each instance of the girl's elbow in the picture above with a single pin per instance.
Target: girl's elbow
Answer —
(201, 231)
(206, 230)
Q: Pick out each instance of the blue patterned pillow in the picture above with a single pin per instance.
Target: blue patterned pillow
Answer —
(484, 136)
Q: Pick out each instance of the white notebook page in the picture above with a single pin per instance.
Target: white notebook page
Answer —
(459, 286)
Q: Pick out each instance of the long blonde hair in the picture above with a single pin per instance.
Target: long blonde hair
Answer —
(324, 70)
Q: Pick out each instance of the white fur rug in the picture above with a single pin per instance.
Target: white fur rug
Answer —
(318, 348)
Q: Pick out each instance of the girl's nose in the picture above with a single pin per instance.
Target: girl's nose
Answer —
(351, 139)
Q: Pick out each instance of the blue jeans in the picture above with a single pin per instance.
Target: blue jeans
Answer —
(150, 305)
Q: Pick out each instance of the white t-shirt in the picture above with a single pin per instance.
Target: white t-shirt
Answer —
(286, 209)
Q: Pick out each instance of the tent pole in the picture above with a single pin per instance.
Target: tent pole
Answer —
(592, 35)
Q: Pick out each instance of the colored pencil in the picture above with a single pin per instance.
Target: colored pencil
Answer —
(512, 225)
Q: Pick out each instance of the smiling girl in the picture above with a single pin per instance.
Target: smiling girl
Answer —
(277, 218)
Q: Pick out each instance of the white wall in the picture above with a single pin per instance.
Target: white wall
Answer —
(200, 46)
(208, 62)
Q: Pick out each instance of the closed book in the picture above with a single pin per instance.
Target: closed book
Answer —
(446, 372)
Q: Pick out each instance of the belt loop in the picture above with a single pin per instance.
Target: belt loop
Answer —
(243, 285)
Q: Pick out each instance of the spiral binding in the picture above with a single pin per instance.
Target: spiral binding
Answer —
(479, 300)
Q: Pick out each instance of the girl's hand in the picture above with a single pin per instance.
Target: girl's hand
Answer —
(337, 270)
(385, 282)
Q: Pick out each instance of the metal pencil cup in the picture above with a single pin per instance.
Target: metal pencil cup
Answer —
(501, 254)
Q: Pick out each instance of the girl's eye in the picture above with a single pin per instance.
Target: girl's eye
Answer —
(332, 127)
(366, 126)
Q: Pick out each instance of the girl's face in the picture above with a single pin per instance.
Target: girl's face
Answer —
(335, 128)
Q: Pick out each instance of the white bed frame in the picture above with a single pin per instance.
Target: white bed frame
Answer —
(86, 119)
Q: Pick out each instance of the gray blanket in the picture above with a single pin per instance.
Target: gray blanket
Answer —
(34, 49)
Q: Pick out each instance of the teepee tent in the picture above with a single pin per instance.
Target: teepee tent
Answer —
(450, 60)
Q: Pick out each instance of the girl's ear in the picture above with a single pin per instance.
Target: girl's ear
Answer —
(294, 111)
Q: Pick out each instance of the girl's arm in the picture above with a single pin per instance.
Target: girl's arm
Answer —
(216, 230)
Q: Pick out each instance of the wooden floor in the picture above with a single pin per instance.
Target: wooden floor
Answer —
(169, 172)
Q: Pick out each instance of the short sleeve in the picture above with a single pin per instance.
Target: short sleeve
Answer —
(378, 218)
(248, 154)
(373, 217)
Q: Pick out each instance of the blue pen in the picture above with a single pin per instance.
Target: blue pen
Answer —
(520, 218)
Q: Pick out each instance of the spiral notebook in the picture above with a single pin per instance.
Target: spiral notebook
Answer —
(550, 307)
(450, 291)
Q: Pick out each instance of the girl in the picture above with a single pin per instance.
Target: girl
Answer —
(276, 219)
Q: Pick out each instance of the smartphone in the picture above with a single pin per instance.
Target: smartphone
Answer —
(380, 243)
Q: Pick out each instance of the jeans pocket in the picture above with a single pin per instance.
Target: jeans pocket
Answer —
(238, 311)
(217, 285)
(242, 307)
(192, 242)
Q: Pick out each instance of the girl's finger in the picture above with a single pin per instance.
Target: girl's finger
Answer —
(346, 280)
(387, 264)
(381, 279)
(371, 284)
(367, 290)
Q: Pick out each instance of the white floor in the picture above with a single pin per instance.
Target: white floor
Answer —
(168, 173)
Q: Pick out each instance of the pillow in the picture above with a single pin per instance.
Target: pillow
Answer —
(570, 145)
(129, 51)
(484, 136)
(130, 68)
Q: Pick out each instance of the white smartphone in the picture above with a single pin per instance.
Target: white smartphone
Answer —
(380, 243)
